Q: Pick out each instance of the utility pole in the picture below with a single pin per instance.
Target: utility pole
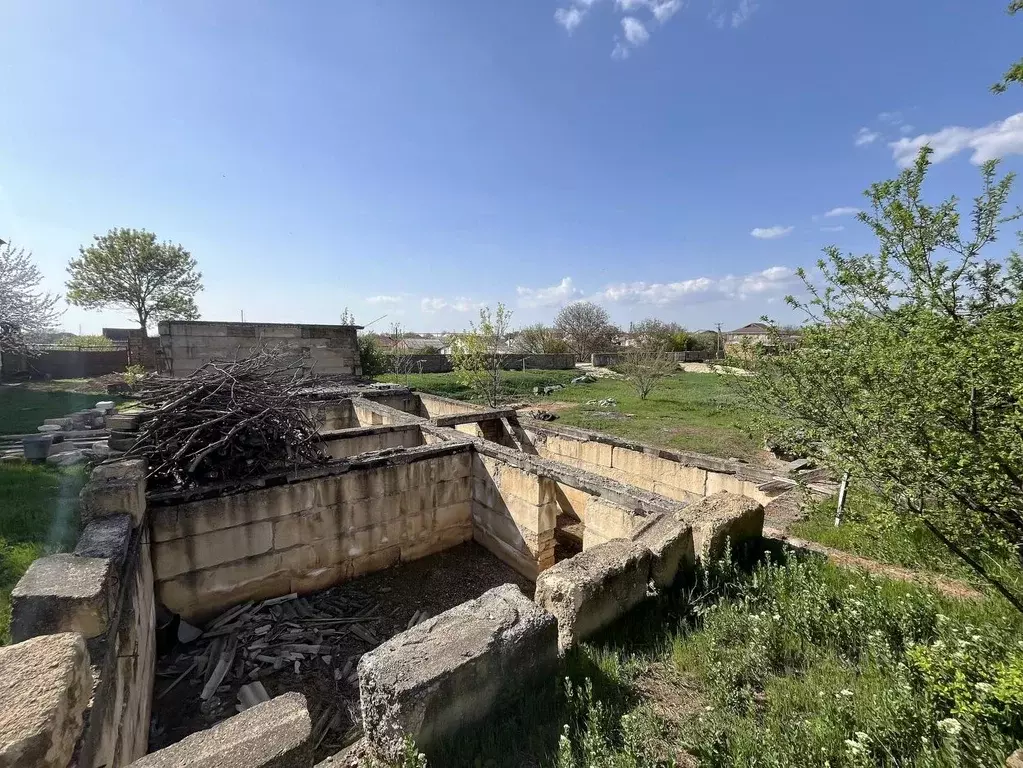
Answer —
(718, 351)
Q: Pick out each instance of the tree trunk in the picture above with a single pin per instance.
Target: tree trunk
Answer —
(142, 322)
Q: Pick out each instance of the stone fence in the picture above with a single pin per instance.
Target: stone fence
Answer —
(63, 363)
(611, 359)
(509, 362)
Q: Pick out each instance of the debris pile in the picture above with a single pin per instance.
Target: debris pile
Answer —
(608, 402)
(541, 415)
(584, 379)
(227, 421)
(547, 390)
(278, 642)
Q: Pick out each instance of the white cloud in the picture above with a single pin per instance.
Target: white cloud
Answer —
(552, 296)
(743, 12)
(987, 143)
(635, 31)
(662, 10)
(772, 281)
(461, 304)
(866, 136)
(842, 210)
(384, 300)
(569, 18)
(770, 233)
(836, 228)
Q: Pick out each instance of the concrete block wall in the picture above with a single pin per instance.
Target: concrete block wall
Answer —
(185, 345)
(514, 514)
(681, 476)
(103, 592)
(343, 443)
(310, 534)
(333, 414)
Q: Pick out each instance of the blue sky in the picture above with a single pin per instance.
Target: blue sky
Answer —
(670, 159)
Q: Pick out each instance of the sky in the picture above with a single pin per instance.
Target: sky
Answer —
(416, 160)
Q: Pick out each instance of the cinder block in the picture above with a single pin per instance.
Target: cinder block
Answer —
(670, 542)
(64, 593)
(195, 553)
(274, 734)
(724, 519)
(719, 481)
(113, 489)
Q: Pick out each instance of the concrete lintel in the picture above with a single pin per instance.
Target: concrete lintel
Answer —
(468, 418)
(380, 429)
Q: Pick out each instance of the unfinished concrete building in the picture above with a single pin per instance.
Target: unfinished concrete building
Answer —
(431, 571)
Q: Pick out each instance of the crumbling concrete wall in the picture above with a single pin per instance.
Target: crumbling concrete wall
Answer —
(311, 533)
(673, 474)
(188, 344)
(104, 591)
(343, 443)
(333, 414)
(514, 514)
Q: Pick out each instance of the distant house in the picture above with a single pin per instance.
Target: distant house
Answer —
(758, 334)
(754, 333)
(118, 334)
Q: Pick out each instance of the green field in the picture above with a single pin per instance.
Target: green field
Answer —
(38, 516)
(24, 406)
(38, 503)
(699, 412)
(799, 664)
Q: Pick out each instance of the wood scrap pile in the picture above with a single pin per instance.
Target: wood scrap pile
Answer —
(225, 664)
(227, 421)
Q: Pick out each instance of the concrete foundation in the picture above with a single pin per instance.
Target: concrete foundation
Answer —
(410, 475)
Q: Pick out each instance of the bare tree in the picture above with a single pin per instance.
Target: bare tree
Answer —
(587, 327)
(646, 365)
(25, 309)
(400, 355)
(540, 339)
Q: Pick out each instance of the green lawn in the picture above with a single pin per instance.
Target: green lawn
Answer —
(699, 412)
(24, 406)
(38, 515)
(794, 664)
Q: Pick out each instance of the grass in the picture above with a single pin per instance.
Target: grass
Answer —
(24, 406)
(793, 664)
(698, 412)
(38, 516)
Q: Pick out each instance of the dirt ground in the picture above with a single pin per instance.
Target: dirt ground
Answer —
(432, 584)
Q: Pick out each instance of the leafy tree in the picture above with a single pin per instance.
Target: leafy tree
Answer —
(909, 373)
(476, 354)
(1015, 72)
(26, 311)
(540, 339)
(371, 358)
(128, 269)
(587, 327)
(87, 341)
(670, 337)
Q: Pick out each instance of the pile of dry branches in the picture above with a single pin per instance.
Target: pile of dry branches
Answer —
(228, 421)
